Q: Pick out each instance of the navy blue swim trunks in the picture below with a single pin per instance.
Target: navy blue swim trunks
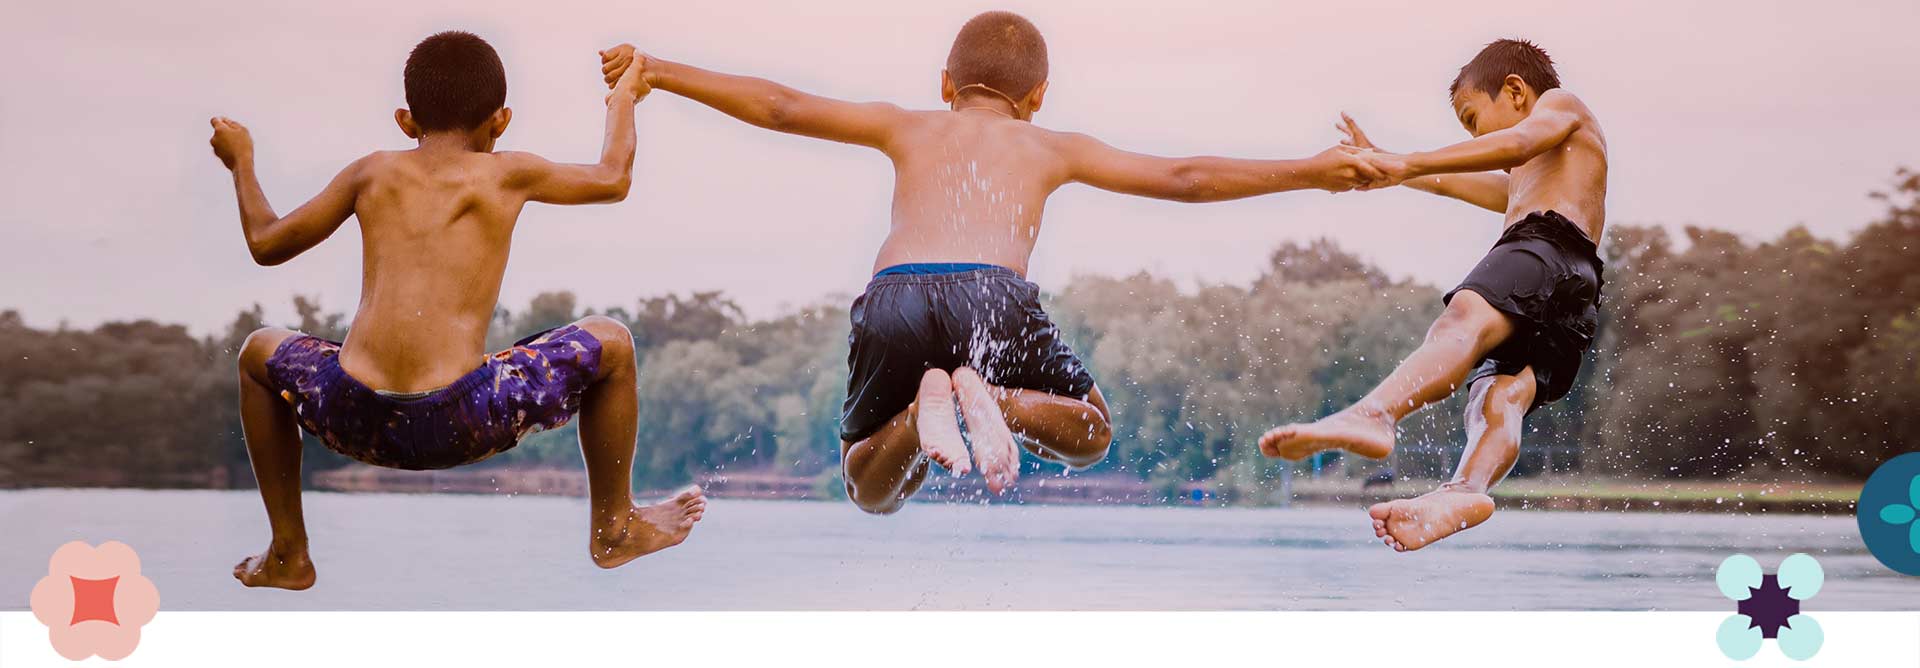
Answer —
(1544, 273)
(910, 320)
(532, 386)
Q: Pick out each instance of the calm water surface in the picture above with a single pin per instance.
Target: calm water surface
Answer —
(433, 552)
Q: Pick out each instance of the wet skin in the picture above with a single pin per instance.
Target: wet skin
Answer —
(970, 185)
(1556, 155)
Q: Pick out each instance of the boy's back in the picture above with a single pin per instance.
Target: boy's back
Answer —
(969, 186)
(435, 226)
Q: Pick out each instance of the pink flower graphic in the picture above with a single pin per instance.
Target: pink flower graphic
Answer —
(94, 600)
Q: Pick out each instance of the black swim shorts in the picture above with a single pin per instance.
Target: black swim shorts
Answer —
(1544, 273)
(989, 319)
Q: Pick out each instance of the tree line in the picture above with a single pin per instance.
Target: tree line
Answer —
(1792, 358)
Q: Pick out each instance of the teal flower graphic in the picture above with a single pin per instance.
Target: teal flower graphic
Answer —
(1903, 514)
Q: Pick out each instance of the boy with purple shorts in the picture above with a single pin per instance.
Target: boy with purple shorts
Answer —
(410, 388)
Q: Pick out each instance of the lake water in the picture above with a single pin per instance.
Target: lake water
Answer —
(439, 552)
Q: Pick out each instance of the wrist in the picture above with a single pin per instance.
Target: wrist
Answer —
(623, 96)
(1418, 165)
(655, 74)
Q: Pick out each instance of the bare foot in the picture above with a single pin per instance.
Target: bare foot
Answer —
(1411, 524)
(285, 568)
(938, 428)
(648, 529)
(1350, 430)
(993, 444)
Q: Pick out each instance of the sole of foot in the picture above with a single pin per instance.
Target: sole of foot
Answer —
(993, 444)
(937, 424)
(1346, 430)
(292, 570)
(1410, 524)
(648, 529)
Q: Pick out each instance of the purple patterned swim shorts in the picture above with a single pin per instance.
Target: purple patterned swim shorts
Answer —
(534, 385)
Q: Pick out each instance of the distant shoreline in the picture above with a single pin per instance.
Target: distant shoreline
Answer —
(1558, 494)
(1561, 493)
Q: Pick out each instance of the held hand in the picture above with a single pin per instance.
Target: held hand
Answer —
(231, 142)
(1392, 167)
(1345, 168)
(625, 69)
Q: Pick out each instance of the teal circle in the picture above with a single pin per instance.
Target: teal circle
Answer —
(1738, 638)
(1801, 638)
(1889, 496)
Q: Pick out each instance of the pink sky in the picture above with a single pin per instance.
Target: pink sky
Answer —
(1753, 116)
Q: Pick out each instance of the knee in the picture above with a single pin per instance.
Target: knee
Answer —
(872, 503)
(260, 346)
(1099, 438)
(1459, 323)
(616, 341)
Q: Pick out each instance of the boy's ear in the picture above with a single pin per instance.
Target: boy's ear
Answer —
(497, 125)
(1516, 90)
(404, 119)
(947, 91)
(1036, 97)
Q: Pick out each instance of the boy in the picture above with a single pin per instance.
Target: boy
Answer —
(949, 314)
(411, 388)
(1515, 330)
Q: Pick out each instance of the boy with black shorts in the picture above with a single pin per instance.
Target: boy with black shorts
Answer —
(1515, 331)
(949, 314)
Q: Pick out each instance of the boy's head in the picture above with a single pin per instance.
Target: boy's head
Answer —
(455, 83)
(1498, 87)
(998, 54)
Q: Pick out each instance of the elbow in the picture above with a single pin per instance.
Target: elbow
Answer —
(618, 189)
(267, 257)
(1187, 182)
(264, 253)
(778, 115)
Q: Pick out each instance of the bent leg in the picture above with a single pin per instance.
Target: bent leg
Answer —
(273, 446)
(1496, 409)
(1458, 340)
(609, 425)
(883, 470)
(1064, 430)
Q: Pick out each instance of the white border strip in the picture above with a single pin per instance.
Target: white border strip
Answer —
(970, 639)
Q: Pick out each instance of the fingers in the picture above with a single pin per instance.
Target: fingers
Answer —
(1369, 172)
(617, 51)
(614, 64)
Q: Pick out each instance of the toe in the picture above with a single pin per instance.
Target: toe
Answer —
(1380, 512)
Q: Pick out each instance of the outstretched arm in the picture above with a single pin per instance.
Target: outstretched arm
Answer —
(271, 238)
(764, 103)
(1206, 179)
(1487, 190)
(1552, 120)
(608, 180)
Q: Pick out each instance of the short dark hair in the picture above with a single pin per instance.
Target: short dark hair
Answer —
(1001, 50)
(454, 81)
(1488, 71)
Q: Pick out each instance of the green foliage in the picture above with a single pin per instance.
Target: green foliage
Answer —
(1795, 356)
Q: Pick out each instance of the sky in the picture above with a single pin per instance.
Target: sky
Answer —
(1749, 116)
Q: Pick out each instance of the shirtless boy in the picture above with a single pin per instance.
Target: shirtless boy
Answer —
(949, 317)
(1516, 329)
(412, 388)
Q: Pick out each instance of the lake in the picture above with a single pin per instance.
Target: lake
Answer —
(463, 552)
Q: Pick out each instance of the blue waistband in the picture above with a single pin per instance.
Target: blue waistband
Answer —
(932, 268)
